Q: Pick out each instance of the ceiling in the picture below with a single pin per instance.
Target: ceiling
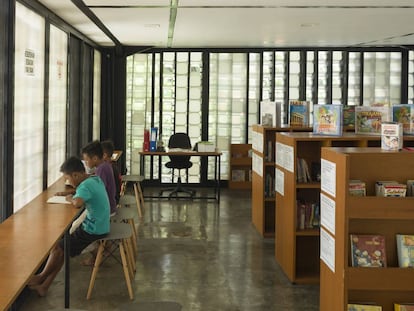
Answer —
(240, 23)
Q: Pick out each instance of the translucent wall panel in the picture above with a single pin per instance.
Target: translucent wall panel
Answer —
(310, 76)
(268, 75)
(337, 76)
(96, 114)
(253, 92)
(280, 82)
(28, 105)
(382, 77)
(323, 66)
(138, 103)
(58, 56)
(354, 78)
(411, 77)
(294, 75)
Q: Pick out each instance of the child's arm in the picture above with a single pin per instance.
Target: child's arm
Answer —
(65, 193)
(76, 202)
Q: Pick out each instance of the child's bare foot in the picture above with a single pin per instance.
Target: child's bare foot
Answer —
(41, 291)
(35, 280)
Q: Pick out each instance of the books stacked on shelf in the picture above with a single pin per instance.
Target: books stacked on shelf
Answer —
(357, 188)
(405, 250)
(348, 116)
(302, 171)
(404, 114)
(410, 188)
(403, 306)
(298, 113)
(269, 151)
(308, 215)
(390, 188)
(391, 136)
(270, 113)
(238, 175)
(368, 250)
(269, 190)
(363, 307)
(368, 119)
(327, 119)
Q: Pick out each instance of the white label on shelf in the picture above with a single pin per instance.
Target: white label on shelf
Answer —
(284, 156)
(259, 142)
(280, 181)
(257, 164)
(328, 177)
(328, 213)
(328, 249)
(254, 140)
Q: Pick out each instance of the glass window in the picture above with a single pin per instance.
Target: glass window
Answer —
(96, 95)
(28, 105)
(57, 103)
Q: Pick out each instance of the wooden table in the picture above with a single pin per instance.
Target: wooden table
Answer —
(217, 167)
(26, 239)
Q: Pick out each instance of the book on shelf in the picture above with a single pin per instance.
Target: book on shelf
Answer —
(404, 114)
(269, 186)
(368, 119)
(348, 116)
(238, 175)
(391, 136)
(327, 119)
(363, 307)
(405, 250)
(298, 113)
(368, 250)
(410, 188)
(357, 188)
(308, 215)
(390, 188)
(270, 113)
(316, 171)
(404, 306)
(302, 171)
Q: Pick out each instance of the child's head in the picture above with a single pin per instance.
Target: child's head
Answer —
(108, 149)
(92, 154)
(73, 170)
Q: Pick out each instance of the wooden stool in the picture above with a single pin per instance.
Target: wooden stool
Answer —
(121, 234)
(139, 196)
(126, 215)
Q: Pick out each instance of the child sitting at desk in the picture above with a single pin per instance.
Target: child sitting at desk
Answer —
(91, 193)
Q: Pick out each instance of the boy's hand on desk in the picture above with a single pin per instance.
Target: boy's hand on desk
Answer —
(64, 193)
(69, 198)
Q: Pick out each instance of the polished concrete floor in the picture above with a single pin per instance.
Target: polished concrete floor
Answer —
(193, 255)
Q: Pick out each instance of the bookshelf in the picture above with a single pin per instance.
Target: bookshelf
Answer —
(297, 251)
(263, 173)
(340, 283)
(240, 166)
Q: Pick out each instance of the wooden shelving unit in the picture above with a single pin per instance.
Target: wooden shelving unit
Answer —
(297, 251)
(242, 162)
(343, 283)
(263, 198)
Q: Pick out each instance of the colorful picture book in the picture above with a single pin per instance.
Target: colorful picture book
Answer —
(238, 175)
(357, 188)
(368, 250)
(348, 116)
(403, 307)
(368, 119)
(405, 250)
(391, 136)
(404, 114)
(390, 188)
(299, 113)
(362, 307)
(327, 119)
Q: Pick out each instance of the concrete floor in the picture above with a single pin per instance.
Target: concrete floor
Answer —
(193, 255)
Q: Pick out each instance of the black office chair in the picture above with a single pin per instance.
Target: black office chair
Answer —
(182, 141)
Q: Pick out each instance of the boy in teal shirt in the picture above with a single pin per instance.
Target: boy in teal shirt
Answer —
(91, 193)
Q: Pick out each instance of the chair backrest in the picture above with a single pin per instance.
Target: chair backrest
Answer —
(179, 140)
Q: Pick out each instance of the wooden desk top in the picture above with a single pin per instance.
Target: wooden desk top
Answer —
(179, 153)
(27, 237)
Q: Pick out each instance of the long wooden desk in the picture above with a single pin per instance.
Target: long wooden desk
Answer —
(216, 155)
(27, 237)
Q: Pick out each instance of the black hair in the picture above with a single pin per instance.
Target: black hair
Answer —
(93, 149)
(108, 147)
(72, 165)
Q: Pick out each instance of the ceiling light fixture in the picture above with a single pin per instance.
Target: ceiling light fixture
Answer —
(152, 25)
